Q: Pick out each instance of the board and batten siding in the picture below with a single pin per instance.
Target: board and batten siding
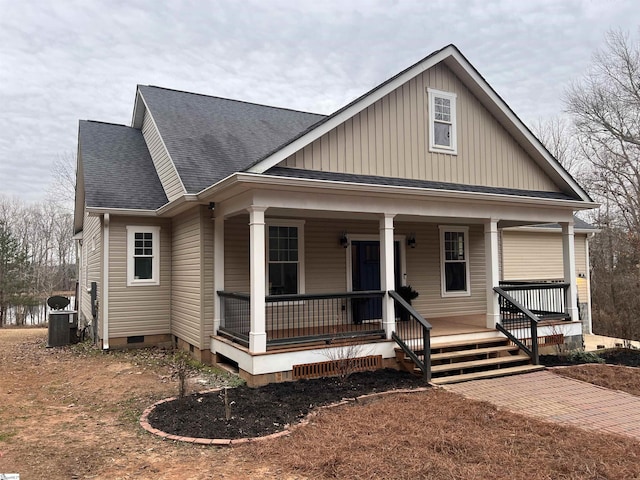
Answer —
(138, 310)
(326, 262)
(91, 264)
(528, 255)
(161, 159)
(390, 138)
(186, 294)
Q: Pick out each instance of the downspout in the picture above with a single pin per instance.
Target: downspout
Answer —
(104, 308)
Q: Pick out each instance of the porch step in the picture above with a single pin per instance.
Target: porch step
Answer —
(502, 372)
(476, 364)
(460, 354)
(468, 359)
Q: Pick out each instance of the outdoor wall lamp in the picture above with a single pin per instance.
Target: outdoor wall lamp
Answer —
(344, 240)
(411, 240)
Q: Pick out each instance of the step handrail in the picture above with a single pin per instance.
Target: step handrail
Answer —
(424, 366)
(533, 325)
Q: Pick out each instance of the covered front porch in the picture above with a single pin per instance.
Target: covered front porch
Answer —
(302, 272)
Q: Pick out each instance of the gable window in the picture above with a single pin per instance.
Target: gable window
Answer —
(454, 261)
(442, 122)
(285, 246)
(143, 255)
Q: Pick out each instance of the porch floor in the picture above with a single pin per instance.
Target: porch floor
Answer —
(443, 326)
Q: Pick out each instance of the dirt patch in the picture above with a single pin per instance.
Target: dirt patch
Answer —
(255, 412)
(68, 415)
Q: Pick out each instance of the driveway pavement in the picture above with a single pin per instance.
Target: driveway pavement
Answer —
(558, 399)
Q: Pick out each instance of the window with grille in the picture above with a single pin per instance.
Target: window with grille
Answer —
(454, 256)
(442, 122)
(143, 247)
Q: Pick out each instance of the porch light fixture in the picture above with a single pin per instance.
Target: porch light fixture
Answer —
(411, 240)
(344, 240)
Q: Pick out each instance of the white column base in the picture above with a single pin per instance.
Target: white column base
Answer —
(257, 342)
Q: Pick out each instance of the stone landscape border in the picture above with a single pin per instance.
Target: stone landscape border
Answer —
(144, 419)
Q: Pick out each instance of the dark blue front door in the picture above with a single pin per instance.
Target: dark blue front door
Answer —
(365, 258)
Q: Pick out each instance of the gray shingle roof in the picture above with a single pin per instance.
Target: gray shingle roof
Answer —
(404, 182)
(210, 138)
(118, 170)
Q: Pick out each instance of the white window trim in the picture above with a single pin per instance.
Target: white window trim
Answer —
(276, 222)
(155, 264)
(443, 279)
(453, 150)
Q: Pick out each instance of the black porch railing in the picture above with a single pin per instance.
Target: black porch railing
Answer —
(294, 319)
(518, 323)
(545, 298)
(413, 335)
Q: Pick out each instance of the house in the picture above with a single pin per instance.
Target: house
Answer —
(266, 238)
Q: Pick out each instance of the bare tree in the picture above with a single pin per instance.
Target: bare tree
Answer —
(605, 106)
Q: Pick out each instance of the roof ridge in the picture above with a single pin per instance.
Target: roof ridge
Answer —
(233, 100)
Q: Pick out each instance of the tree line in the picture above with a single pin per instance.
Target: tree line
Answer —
(599, 145)
(37, 252)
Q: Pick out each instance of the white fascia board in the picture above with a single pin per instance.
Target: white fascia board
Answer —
(517, 124)
(272, 180)
(531, 228)
(121, 211)
(177, 205)
(184, 190)
(349, 112)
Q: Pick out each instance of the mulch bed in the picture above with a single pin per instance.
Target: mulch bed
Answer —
(616, 356)
(262, 411)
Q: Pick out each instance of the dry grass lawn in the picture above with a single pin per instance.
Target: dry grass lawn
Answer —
(64, 416)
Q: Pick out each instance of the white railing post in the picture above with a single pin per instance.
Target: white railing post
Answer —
(492, 266)
(387, 276)
(257, 334)
(569, 261)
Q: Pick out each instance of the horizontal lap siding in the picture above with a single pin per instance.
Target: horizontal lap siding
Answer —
(424, 275)
(92, 263)
(186, 277)
(538, 256)
(389, 138)
(236, 254)
(138, 310)
(164, 166)
(208, 290)
(326, 262)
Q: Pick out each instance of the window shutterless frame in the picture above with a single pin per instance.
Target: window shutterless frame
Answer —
(442, 122)
(143, 255)
(454, 261)
(284, 256)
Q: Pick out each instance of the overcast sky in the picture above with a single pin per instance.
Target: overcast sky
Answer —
(64, 60)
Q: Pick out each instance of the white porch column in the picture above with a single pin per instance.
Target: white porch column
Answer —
(387, 277)
(257, 334)
(492, 267)
(569, 261)
(218, 269)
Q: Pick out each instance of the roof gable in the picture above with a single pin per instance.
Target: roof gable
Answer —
(210, 138)
(475, 83)
(117, 170)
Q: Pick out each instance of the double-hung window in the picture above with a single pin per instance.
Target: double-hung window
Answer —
(442, 122)
(454, 264)
(285, 258)
(143, 255)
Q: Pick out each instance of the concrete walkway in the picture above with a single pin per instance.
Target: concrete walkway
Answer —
(559, 399)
